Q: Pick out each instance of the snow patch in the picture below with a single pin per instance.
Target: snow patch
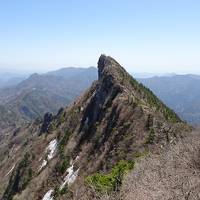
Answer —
(48, 195)
(50, 150)
(44, 163)
(10, 170)
(71, 176)
(77, 157)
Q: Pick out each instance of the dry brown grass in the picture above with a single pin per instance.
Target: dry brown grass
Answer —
(174, 174)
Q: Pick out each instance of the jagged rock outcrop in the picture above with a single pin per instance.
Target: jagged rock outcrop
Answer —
(116, 119)
(48, 117)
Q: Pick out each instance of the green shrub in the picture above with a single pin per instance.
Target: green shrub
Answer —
(62, 166)
(52, 126)
(57, 192)
(151, 136)
(112, 181)
(64, 190)
(62, 144)
(30, 173)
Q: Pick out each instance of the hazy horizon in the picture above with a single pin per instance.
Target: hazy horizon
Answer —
(21, 72)
(144, 36)
(40, 70)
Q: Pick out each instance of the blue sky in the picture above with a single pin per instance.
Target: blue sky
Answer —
(143, 35)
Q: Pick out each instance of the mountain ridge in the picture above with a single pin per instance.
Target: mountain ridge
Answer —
(115, 119)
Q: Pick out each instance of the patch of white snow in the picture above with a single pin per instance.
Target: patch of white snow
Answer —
(50, 150)
(77, 157)
(44, 163)
(71, 176)
(48, 195)
(10, 170)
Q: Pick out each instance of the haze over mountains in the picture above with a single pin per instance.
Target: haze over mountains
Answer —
(38, 94)
(110, 138)
(179, 92)
(105, 130)
(77, 124)
(8, 79)
(25, 98)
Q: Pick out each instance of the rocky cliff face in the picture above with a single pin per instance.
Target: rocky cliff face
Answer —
(115, 120)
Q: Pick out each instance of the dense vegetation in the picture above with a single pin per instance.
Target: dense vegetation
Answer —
(112, 181)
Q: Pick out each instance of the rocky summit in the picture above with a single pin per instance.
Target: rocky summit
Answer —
(85, 149)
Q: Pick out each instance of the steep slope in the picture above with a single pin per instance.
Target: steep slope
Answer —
(180, 92)
(39, 94)
(112, 122)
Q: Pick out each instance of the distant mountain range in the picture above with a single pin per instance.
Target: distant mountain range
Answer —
(38, 94)
(150, 75)
(179, 92)
(26, 99)
(11, 79)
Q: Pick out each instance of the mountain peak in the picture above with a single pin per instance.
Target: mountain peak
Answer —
(108, 66)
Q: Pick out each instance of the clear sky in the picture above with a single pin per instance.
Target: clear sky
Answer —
(143, 35)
